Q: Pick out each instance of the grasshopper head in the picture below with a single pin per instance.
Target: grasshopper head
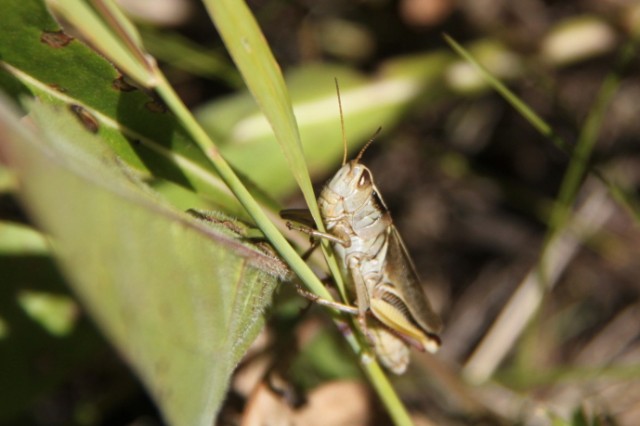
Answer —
(352, 187)
(353, 184)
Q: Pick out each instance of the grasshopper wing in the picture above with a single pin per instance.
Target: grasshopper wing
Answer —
(403, 276)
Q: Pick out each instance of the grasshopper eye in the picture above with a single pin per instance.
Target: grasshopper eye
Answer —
(365, 179)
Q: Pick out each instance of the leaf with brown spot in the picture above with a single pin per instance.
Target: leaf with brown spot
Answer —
(55, 39)
(77, 75)
(88, 121)
(123, 85)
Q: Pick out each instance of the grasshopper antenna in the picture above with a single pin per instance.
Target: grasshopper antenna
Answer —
(344, 136)
(364, 148)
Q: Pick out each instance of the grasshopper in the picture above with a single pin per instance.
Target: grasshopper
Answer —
(391, 307)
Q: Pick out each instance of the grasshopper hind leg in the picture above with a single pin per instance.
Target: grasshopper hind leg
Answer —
(392, 351)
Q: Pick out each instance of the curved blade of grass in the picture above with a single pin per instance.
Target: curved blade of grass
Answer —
(588, 136)
(181, 300)
(250, 52)
(244, 127)
(261, 73)
(534, 119)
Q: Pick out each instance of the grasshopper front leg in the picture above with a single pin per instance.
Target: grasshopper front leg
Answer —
(317, 234)
(342, 307)
(353, 264)
(354, 267)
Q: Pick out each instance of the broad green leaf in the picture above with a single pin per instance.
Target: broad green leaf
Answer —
(182, 300)
(63, 71)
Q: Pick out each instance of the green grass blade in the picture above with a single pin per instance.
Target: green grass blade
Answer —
(261, 73)
(534, 119)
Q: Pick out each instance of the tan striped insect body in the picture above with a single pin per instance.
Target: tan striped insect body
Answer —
(377, 266)
(391, 307)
